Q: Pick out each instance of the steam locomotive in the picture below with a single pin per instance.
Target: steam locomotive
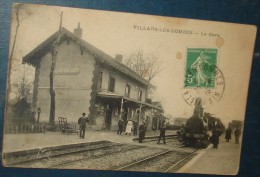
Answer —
(195, 133)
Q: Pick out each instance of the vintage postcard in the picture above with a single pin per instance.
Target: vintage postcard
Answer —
(104, 90)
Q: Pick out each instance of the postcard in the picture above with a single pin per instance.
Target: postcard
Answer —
(90, 89)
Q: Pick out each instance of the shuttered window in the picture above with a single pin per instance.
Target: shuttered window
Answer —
(112, 82)
(127, 90)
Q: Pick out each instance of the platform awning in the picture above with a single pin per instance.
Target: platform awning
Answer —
(116, 96)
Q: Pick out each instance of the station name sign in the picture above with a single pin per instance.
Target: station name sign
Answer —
(67, 71)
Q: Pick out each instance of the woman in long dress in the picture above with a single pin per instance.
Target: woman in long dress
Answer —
(129, 127)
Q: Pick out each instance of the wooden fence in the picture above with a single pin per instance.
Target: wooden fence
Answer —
(25, 128)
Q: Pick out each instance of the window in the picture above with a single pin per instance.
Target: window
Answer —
(99, 84)
(111, 86)
(127, 90)
(140, 94)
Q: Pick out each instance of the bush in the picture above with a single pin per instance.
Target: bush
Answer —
(22, 112)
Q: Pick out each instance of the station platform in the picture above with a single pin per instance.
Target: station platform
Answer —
(222, 161)
(18, 142)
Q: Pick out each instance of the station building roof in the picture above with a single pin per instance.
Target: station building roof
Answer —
(37, 53)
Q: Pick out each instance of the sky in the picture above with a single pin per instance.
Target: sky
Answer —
(165, 37)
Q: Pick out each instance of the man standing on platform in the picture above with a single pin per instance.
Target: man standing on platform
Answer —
(162, 133)
(141, 132)
(82, 125)
(228, 134)
(135, 127)
(120, 126)
(215, 136)
(237, 133)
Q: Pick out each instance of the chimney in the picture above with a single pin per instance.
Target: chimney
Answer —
(119, 58)
(78, 31)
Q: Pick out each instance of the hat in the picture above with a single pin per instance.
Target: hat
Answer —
(84, 114)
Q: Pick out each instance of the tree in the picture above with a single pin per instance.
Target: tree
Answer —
(22, 112)
(17, 10)
(54, 53)
(147, 66)
(23, 87)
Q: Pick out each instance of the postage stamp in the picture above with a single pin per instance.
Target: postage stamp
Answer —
(203, 79)
(200, 70)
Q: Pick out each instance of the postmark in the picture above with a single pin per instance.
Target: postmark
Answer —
(203, 79)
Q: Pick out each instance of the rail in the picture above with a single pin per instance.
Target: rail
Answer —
(180, 161)
(154, 138)
(143, 160)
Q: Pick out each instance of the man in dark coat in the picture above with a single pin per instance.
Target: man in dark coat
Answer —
(135, 127)
(82, 124)
(215, 137)
(145, 128)
(120, 126)
(162, 133)
(108, 117)
(228, 134)
(237, 133)
(124, 117)
(141, 132)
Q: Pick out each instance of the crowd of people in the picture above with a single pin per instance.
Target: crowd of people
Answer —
(132, 127)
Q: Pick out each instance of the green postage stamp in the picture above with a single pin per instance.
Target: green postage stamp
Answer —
(200, 69)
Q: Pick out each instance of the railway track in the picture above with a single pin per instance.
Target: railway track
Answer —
(59, 157)
(103, 155)
(155, 138)
(159, 162)
(31, 156)
(180, 162)
(171, 141)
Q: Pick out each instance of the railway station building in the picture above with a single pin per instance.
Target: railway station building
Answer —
(88, 80)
